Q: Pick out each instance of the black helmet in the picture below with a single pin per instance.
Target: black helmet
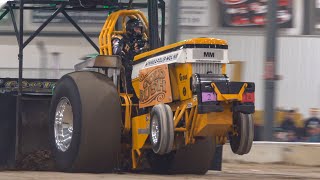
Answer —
(133, 23)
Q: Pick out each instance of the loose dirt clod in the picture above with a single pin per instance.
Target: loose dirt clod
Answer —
(40, 160)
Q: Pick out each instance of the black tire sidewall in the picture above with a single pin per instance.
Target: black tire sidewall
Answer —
(235, 140)
(66, 87)
(241, 144)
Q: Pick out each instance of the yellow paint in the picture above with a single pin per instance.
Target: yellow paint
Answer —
(139, 122)
(193, 122)
(227, 97)
(184, 73)
(176, 113)
(180, 129)
(134, 159)
(174, 83)
(210, 124)
(128, 109)
(138, 140)
(179, 117)
(138, 152)
(188, 120)
(181, 43)
(108, 29)
(214, 123)
(224, 69)
(179, 104)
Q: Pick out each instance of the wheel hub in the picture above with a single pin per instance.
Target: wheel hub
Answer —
(63, 124)
(155, 131)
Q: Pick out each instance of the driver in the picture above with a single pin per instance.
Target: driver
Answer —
(128, 45)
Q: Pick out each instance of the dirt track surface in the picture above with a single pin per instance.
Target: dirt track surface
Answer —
(230, 171)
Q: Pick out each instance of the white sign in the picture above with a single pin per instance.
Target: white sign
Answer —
(194, 13)
(207, 55)
(191, 12)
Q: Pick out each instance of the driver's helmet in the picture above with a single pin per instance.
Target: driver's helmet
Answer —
(134, 27)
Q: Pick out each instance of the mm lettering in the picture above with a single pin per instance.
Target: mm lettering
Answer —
(208, 54)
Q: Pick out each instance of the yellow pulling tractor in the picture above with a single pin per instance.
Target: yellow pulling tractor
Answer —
(187, 106)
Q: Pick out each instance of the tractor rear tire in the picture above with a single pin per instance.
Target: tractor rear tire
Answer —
(192, 159)
(96, 120)
(216, 164)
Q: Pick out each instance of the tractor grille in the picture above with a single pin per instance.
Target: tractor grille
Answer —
(204, 68)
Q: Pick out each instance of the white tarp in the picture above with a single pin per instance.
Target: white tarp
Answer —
(3, 3)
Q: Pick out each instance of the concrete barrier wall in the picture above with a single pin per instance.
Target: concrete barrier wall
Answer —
(306, 154)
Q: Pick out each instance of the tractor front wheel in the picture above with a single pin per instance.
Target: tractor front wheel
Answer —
(242, 137)
(161, 129)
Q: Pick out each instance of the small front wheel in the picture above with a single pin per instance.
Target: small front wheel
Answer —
(242, 137)
(161, 129)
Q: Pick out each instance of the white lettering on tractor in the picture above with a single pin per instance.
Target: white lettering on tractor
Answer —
(162, 60)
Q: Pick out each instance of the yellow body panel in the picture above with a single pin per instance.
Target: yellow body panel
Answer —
(224, 69)
(184, 73)
(174, 83)
(181, 43)
(138, 139)
(214, 124)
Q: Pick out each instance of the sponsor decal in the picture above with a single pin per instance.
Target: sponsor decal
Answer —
(182, 77)
(184, 91)
(32, 84)
(208, 96)
(154, 86)
(253, 13)
(162, 59)
(27, 86)
(210, 55)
